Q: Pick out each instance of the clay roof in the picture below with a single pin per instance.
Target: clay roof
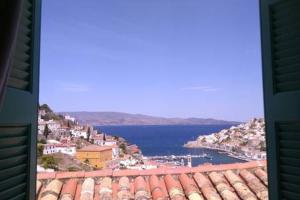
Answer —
(218, 182)
(94, 148)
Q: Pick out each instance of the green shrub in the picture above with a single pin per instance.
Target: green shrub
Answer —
(49, 162)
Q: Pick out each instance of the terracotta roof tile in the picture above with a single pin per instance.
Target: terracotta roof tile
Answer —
(164, 188)
(245, 181)
(206, 187)
(124, 188)
(190, 187)
(38, 186)
(140, 188)
(69, 189)
(115, 190)
(174, 188)
(96, 194)
(87, 189)
(222, 186)
(239, 185)
(262, 175)
(156, 189)
(52, 190)
(255, 185)
(105, 190)
(78, 191)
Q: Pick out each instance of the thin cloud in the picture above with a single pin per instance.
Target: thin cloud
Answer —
(74, 87)
(201, 88)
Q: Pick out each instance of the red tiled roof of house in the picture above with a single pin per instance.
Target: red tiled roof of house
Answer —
(218, 182)
(94, 148)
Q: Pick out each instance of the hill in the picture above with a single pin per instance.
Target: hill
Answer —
(118, 118)
(245, 140)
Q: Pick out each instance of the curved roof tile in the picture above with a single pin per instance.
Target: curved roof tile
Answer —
(245, 181)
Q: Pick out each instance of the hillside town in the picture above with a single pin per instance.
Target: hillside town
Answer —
(65, 145)
(245, 141)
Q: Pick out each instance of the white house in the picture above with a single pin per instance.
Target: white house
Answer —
(68, 117)
(79, 133)
(98, 139)
(110, 142)
(69, 149)
(52, 125)
(115, 152)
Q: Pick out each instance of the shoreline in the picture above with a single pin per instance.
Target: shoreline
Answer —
(228, 153)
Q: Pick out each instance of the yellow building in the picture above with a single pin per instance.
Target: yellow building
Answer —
(94, 155)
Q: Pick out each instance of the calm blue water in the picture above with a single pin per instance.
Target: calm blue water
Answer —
(168, 140)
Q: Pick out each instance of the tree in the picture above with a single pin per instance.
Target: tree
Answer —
(46, 131)
(123, 147)
(69, 124)
(42, 141)
(49, 162)
(88, 134)
(46, 108)
(40, 149)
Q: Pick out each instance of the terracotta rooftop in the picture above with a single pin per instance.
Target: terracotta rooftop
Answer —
(241, 181)
(94, 148)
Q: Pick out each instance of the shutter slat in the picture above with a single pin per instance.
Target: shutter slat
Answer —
(289, 178)
(288, 52)
(283, 5)
(288, 77)
(17, 64)
(289, 127)
(13, 151)
(21, 196)
(290, 153)
(21, 59)
(288, 19)
(290, 195)
(19, 74)
(12, 181)
(13, 161)
(13, 191)
(17, 83)
(289, 135)
(290, 170)
(289, 158)
(285, 46)
(11, 131)
(288, 86)
(14, 157)
(284, 62)
(287, 69)
(290, 187)
(294, 162)
(13, 171)
(289, 144)
(287, 39)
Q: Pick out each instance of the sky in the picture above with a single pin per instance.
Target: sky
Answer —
(168, 58)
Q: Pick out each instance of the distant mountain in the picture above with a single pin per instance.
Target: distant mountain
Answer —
(117, 118)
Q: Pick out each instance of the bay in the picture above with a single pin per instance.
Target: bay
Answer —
(161, 140)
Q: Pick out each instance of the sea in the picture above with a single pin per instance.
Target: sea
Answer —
(166, 140)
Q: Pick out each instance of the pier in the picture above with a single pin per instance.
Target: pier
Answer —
(177, 157)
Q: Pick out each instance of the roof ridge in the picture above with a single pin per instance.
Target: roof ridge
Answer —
(149, 172)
